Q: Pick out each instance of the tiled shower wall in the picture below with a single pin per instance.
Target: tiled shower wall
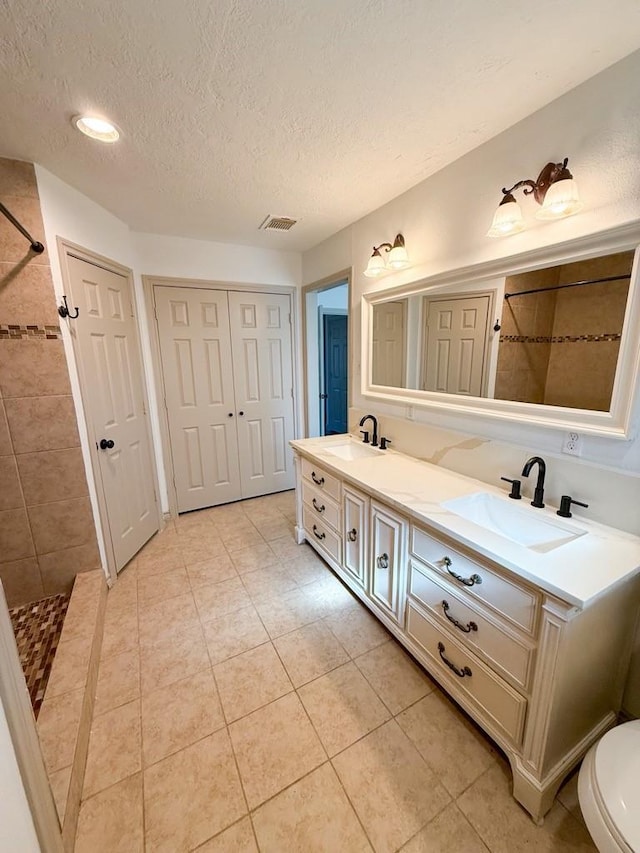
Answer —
(47, 534)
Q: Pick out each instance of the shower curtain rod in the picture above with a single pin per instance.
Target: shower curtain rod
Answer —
(562, 286)
(36, 247)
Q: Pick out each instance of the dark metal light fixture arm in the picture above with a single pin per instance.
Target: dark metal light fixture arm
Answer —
(399, 241)
(36, 247)
(551, 173)
(526, 183)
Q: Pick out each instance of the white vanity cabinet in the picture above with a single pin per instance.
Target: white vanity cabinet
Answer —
(387, 560)
(539, 671)
(355, 533)
(319, 494)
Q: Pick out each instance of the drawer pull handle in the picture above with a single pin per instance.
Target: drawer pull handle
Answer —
(316, 507)
(319, 481)
(319, 535)
(470, 626)
(474, 579)
(383, 561)
(459, 672)
(352, 535)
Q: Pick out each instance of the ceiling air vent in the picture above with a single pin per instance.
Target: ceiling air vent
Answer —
(277, 223)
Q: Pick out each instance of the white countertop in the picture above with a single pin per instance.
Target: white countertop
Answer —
(578, 572)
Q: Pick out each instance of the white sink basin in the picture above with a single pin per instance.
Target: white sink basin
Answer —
(350, 450)
(522, 525)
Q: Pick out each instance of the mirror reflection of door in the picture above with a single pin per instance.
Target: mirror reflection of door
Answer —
(335, 367)
(455, 345)
(389, 344)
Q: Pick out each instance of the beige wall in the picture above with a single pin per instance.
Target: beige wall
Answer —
(47, 533)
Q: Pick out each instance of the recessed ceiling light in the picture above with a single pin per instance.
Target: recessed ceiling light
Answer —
(97, 128)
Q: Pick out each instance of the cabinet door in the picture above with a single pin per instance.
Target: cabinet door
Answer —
(355, 514)
(388, 559)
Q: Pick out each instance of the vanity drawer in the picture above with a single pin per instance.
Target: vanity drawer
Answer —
(494, 697)
(322, 480)
(517, 603)
(502, 649)
(320, 534)
(321, 505)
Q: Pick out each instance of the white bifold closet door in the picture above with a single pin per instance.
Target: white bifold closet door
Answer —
(227, 367)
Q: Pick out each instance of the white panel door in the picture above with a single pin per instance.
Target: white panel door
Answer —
(263, 379)
(389, 344)
(195, 348)
(109, 361)
(456, 336)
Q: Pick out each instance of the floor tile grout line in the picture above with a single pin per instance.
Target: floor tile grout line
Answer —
(434, 817)
(297, 782)
(260, 707)
(144, 798)
(393, 713)
(352, 804)
(473, 828)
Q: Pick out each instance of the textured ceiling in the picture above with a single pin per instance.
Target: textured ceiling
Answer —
(317, 109)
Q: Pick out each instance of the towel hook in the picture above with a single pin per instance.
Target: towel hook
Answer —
(63, 310)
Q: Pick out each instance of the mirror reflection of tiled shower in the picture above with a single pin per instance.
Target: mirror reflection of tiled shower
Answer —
(559, 345)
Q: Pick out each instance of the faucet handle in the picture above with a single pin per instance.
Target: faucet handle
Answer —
(515, 488)
(384, 442)
(565, 506)
(365, 436)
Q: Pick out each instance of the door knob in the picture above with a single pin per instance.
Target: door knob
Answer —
(241, 414)
(106, 443)
(230, 415)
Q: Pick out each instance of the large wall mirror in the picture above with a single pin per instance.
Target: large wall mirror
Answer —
(555, 342)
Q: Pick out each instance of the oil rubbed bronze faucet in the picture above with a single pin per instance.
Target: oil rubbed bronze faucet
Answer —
(538, 495)
(365, 433)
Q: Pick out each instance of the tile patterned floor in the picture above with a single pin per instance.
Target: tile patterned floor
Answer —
(247, 701)
(37, 628)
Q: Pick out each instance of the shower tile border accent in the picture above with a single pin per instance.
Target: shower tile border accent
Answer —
(559, 339)
(37, 628)
(11, 331)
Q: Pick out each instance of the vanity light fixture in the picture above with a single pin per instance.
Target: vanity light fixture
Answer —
(398, 258)
(555, 190)
(97, 128)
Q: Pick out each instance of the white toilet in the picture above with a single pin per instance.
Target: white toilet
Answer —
(609, 790)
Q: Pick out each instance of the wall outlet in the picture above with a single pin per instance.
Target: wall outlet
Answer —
(572, 444)
(411, 413)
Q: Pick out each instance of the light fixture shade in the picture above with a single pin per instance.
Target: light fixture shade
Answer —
(97, 128)
(561, 199)
(376, 265)
(398, 258)
(507, 219)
